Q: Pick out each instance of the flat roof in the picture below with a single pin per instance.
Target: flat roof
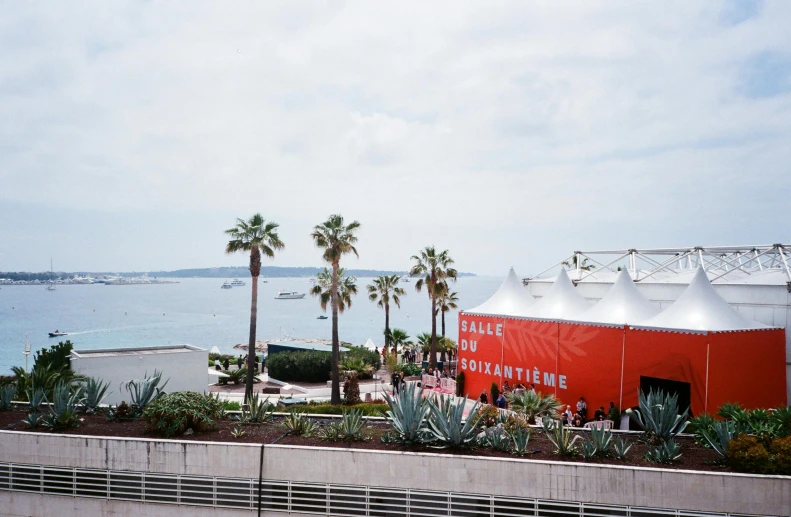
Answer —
(302, 345)
(150, 350)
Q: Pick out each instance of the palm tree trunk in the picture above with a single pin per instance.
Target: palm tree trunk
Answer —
(432, 359)
(387, 326)
(335, 394)
(442, 353)
(248, 389)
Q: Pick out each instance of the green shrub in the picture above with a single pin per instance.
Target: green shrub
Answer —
(747, 454)
(306, 366)
(232, 405)
(460, 384)
(494, 391)
(781, 455)
(367, 356)
(782, 416)
(56, 358)
(700, 426)
(409, 369)
(174, 413)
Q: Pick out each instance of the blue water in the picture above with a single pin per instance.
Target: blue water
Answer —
(197, 312)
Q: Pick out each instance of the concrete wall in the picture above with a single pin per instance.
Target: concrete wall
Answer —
(185, 368)
(700, 491)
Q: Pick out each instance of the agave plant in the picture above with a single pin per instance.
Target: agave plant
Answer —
(95, 393)
(667, 452)
(299, 424)
(602, 438)
(533, 405)
(588, 449)
(561, 437)
(408, 413)
(351, 425)
(496, 438)
(33, 420)
(620, 447)
(63, 408)
(7, 393)
(260, 410)
(447, 424)
(332, 431)
(782, 416)
(143, 392)
(35, 397)
(724, 432)
(520, 437)
(658, 415)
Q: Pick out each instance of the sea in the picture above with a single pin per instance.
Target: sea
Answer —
(198, 312)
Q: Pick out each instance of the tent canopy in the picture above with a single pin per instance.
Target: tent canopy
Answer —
(215, 350)
(561, 301)
(622, 304)
(369, 344)
(700, 308)
(511, 299)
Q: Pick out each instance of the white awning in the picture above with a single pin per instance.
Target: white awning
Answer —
(511, 299)
(217, 373)
(700, 308)
(623, 303)
(561, 301)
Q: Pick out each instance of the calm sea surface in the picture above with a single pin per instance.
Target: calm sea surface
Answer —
(197, 312)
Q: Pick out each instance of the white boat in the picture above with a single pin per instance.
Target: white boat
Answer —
(405, 280)
(237, 283)
(289, 295)
(226, 285)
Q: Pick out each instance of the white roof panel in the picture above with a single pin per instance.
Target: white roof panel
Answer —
(511, 299)
(623, 303)
(700, 308)
(562, 301)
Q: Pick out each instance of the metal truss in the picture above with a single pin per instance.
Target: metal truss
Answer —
(719, 261)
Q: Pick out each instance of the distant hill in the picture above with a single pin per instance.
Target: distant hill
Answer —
(270, 271)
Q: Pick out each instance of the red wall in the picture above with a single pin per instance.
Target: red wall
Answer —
(604, 363)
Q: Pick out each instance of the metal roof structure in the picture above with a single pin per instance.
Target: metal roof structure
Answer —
(768, 264)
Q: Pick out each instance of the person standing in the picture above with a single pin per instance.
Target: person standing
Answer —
(240, 362)
(226, 364)
(484, 399)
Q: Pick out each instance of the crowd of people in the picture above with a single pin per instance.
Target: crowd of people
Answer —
(576, 418)
(409, 355)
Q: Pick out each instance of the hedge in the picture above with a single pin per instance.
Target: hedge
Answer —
(368, 409)
(305, 366)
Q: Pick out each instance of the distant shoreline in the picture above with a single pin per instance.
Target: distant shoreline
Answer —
(218, 272)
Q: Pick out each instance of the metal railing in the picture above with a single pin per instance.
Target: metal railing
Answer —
(294, 497)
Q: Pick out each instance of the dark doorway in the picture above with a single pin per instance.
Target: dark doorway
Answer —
(681, 389)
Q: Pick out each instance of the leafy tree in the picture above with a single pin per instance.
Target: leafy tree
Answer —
(383, 290)
(336, 239)
(346, 289)
(446, 302)
(399, 337)
(256, 236)
(58, 357)
(434, 270)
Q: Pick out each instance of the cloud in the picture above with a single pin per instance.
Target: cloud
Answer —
(536, 129)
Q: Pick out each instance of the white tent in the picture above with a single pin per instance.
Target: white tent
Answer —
(369, 344)
(511, 299)
(623, 303)
(700, 308)
(215, 350)
(560, 302)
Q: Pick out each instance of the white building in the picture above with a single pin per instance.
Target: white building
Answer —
(754, 280)
(183, 366)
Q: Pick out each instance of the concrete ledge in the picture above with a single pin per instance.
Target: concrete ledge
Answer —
(562, 481)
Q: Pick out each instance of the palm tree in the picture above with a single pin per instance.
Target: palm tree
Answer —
(435, 270)
(346, 289)
(385, 289)
(258, 237)
(398, 337)
(572, 263)
(446, 302)
(336, 239)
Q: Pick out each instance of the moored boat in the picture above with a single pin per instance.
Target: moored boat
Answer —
(289, 295)
(226, 285)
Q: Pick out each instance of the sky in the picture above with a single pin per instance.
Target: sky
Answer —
(510, 133)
